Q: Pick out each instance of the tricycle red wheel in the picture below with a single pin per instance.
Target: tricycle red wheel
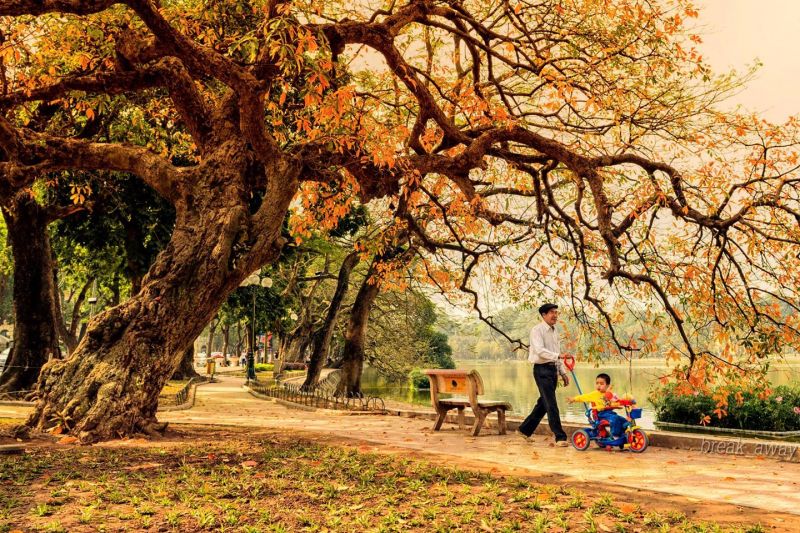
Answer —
(581, 440)
(638, 441)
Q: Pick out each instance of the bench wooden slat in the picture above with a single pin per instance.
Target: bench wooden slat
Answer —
(454, 401)
(494, 403)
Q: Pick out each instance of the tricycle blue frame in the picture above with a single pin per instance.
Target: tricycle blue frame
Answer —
(634, 439)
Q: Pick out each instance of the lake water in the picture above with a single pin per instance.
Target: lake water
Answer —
(512, 381)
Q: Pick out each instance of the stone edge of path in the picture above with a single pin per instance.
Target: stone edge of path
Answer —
(711, 444)
(17, 403)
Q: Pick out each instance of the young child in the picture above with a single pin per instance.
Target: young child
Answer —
(602, 399)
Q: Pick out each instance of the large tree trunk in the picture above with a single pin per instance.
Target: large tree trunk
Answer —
(322, 337)
(226, 336)
(212, 327)
(35, 333)
(110, 385)
(69, 333)
(294, 346)
(237, 349)
(186, 369)
(356, 335)
(4, 285)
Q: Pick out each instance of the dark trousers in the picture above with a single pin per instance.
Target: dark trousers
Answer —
(546, 377)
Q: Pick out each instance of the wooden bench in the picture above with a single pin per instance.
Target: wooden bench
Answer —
(470, 384)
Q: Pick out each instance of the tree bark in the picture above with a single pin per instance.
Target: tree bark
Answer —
(355, 337)
(322, 337)
(212, 327)
(110, 386)
(4, 284)
(226, 335)
(237, 349)
(69, 332)
(186, 368)
(35, 333)
(294, 345)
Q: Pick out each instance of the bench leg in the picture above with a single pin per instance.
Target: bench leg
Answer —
(461, 420)
(439, 421)
(501, 421)
(480, 416)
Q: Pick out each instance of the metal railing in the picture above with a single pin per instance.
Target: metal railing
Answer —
(322, 396)
(180, 397)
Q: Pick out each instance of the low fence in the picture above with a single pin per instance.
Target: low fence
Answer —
(322, 396)
(25, 396)
(180, 397)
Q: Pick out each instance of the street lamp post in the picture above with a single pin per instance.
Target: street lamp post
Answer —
(253, 280)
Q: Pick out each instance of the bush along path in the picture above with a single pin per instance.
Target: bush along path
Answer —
(775, 410)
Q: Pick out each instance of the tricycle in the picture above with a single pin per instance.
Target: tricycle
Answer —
(634, 439)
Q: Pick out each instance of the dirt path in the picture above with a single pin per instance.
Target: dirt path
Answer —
(759, 483)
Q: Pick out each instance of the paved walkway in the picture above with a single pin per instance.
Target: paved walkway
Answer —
(756, 482)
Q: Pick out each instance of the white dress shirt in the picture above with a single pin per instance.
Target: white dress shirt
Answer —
(545, 346)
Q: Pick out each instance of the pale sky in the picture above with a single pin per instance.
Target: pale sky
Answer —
(736, 32)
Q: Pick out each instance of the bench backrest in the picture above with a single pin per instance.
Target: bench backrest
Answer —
(456, 381)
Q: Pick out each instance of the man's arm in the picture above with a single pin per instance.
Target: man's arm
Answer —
(562, 369)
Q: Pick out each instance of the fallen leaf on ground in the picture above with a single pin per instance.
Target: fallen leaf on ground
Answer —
(627, 508)
(68, 440)
(249, 464)
(145, 466)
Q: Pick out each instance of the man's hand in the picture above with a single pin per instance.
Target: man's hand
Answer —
(565, 379)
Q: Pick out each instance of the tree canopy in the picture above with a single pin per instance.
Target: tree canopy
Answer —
(574, 149)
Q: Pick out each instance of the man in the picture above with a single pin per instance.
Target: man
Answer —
(544, 353)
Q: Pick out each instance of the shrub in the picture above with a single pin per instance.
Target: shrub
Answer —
(418, 379)
(264, 367)
(780, 411)
(440, 354)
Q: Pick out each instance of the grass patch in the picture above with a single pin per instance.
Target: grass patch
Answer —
(269, 483)
(173, 387)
